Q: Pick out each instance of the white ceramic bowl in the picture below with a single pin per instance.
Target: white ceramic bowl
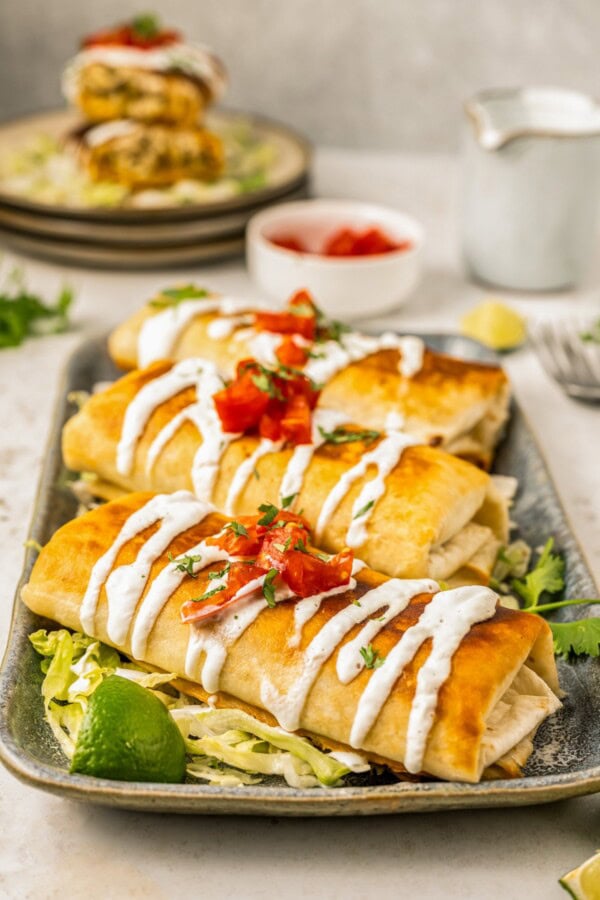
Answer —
(349, 287)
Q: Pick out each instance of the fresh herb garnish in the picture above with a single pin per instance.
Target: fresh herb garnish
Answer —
(340, 436)
(364, 510)
(371, 657)
(265, 382)
(256, 473)
(580, 637)
(593, 335)
(270, 513)
(208, 594)
(186, 563)
(356, 603)
(24, 314)
(173, 296)
(547, 575)
(286, 502)
(146, 25)
(221, 573)
(301, 546)
(237, 528)
(268, 587)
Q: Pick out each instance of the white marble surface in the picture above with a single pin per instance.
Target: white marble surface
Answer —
(53, 848)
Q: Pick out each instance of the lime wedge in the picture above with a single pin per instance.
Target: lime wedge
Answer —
(583, 883)
(495, 325)
(127, 734)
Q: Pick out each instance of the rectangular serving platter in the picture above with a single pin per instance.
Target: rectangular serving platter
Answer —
(566, 761)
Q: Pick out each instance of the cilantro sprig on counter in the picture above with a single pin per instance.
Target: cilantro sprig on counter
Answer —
(543, 582)
(23, 314)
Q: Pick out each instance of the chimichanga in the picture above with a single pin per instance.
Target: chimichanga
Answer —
(412, 510)
(450, 686)
(458, 404)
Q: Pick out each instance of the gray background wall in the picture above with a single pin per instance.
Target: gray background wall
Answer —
(389, 74)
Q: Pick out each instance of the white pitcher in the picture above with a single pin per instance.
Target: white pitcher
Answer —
(532, 187)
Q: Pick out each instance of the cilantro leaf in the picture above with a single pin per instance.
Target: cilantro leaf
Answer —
(548, 574)
(286, 502)
(173, 296)
(364, 510)
(371, 657)
(186, 564)
(23, 314)
(238, 528)
(270, 512)
(576, 638)
(593, 335)
(221, 573)
(340, 436)
(146, 25)
(268, 588)
(208, 594)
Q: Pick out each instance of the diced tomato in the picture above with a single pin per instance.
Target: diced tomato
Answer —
(240, 574)
(304, 573)
(295, 424)
(127, 36)
(289, 353)
(240, 544)
(371, 241)
(241, 404)
(301, 318)
(289, 242)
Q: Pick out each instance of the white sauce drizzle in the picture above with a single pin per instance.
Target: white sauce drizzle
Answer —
(446, 620)
(221, 328)
(287, 708)
(353, 761)
(245, 470)
(177, 512)
(201, 375)
(293, 478)
(385, 457)
(353, 346)
(160, 332)
(308, 607)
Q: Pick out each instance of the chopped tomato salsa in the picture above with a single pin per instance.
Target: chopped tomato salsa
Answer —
(347, 242)
(276, 402)
(276, 544)
(299, 318)
(143, 32)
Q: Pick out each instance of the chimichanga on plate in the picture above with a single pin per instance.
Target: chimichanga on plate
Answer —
(411, 510)
(441, 683)
(461, 405)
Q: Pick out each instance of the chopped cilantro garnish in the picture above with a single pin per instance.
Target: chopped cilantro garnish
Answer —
(268, 587)
(341, 436)
(173, 296)
(264, 382)
(270, 513)
(356, 603)
(593, 335)
(548, 575)
(186, 563)
(146, 25)
(237, 528)
(286, 502)
(208, 594)
(364, 510)
(371, 657)
(23, 314)
(221, 573)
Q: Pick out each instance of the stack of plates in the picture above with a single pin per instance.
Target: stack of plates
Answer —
(130, 237)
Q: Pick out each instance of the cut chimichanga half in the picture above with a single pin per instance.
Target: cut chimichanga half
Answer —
(442, 683)
(459, 404)
(412, 510)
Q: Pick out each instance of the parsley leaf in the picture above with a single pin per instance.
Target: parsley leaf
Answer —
(237, 528)
(364, 509)
(340, 436)
(286, 502)
(173, 296)
(208, 594)
(577, 638)
(371, 657)
(221, 573)
(548, 574)
(269, 588)
(23, 314)
(270, 513)
(186, 563)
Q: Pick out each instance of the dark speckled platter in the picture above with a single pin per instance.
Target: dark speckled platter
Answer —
(566, 761)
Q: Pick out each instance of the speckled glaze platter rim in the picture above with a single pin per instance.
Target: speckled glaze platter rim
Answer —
(61, 120)
(402, 797)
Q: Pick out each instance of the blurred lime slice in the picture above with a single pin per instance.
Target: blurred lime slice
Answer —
(495, 325)
(583, 883)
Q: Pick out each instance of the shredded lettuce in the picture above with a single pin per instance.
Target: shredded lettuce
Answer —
(238, 739)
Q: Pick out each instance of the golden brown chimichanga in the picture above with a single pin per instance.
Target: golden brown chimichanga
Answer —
(439, 516)
(113, 572)
(458, 404)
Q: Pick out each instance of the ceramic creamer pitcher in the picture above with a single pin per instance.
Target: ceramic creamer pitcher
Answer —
(532, 182)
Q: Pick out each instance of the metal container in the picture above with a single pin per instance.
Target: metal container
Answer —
(532, 179)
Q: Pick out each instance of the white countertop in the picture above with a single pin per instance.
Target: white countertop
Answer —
(53, 848)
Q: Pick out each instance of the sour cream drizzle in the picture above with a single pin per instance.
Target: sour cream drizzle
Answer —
(201, 375)
(293, 479)
(245, 470)
(160, 332)
(446, 619)
(385, 457)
